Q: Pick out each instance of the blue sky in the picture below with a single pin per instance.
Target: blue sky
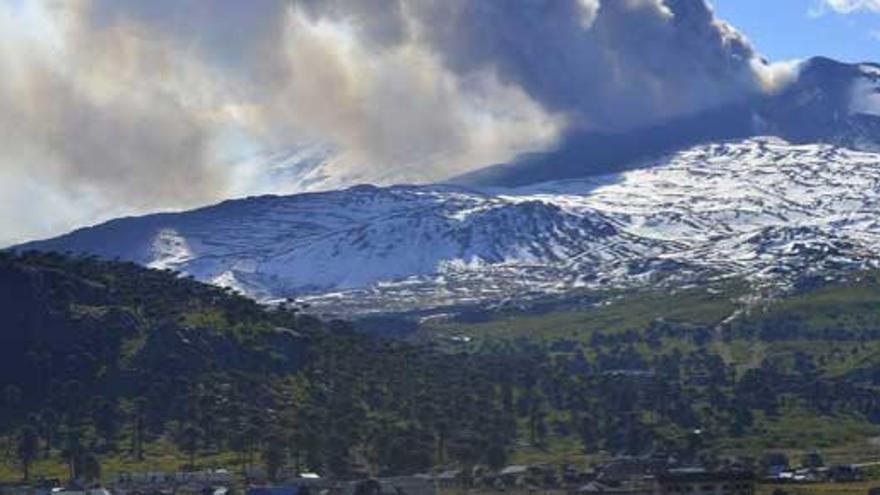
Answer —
(788, 29)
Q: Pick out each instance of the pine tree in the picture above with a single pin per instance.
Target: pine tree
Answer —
(188, 440)
(28, 447)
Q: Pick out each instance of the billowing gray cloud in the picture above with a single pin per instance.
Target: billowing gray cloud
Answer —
(120, 106)
(613, 64)
(84, 134)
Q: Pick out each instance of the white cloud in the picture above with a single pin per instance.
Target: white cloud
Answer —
(822, 7)
(865, 97)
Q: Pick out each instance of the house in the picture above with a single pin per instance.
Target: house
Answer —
(544, 475)
(698, 481)
(274, 490)
(452, 478)
(146, 478)
(643, 487)
(813, 460)
(774, 463)
(9, 489)
(401, 485)
(622, 470)
(408, 485)
(42, 486)
(515, 475)
(216, 477)
(81, 491)
(199, 482)
(515, 470)
(844, 473)
(256, 473)
(573, 477)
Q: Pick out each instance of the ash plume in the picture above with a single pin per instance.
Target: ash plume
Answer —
(116, 107)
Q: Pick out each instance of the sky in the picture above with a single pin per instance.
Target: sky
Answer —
(111, 108)
(847, 30)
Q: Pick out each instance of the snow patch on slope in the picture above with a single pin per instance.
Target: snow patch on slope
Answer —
(761, 208)
(170, 249)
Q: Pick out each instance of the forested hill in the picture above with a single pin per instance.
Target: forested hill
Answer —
(109, 364)
(74, 328)
(104, 362)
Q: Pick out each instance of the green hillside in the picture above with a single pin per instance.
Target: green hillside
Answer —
(107, 366)
(602, 311)
(802, 354)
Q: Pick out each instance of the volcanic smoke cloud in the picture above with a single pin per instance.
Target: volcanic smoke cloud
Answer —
(113, 107)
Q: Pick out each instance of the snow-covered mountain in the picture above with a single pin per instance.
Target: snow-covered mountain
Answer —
(700, 197)
(764, 208)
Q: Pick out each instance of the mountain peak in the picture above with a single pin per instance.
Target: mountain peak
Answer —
(817, 107)
(763, 208)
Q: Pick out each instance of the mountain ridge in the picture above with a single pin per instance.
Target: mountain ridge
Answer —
(816, 108)
(763, 208)
(691, 200)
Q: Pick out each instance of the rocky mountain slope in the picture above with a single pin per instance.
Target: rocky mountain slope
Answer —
(775, 212)
(703, 197)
